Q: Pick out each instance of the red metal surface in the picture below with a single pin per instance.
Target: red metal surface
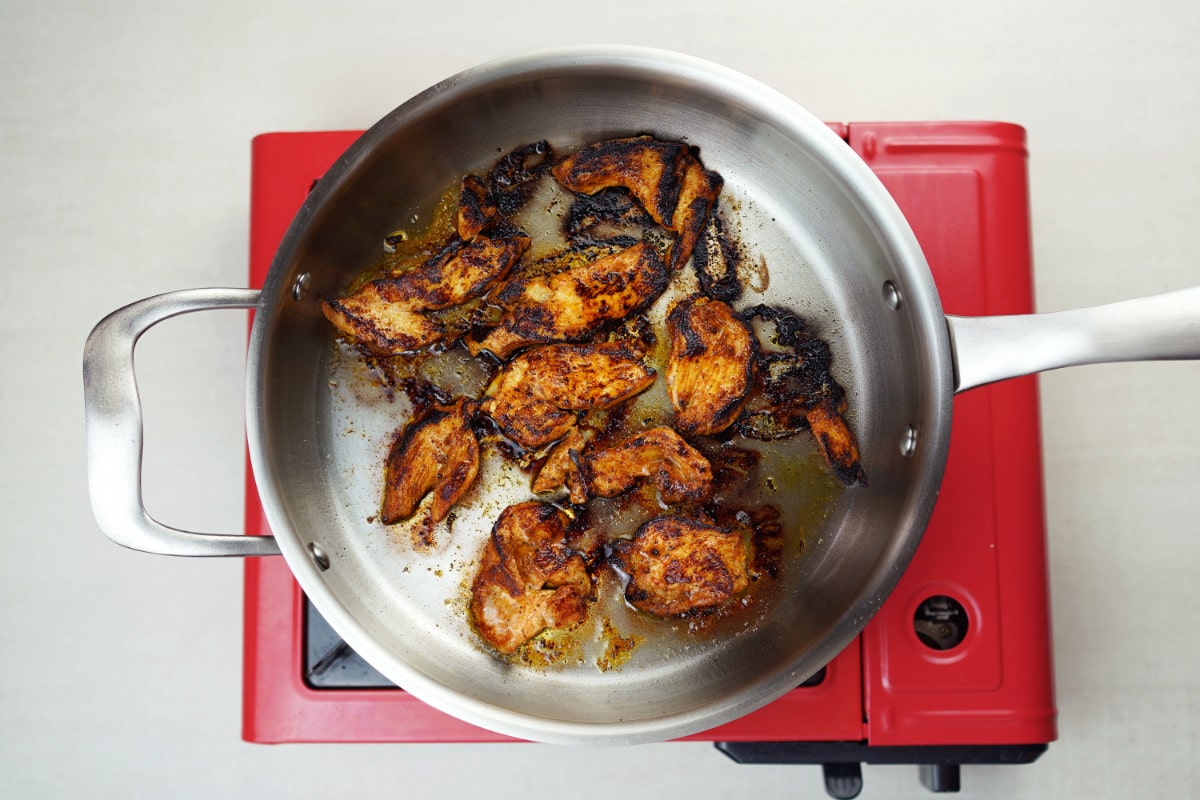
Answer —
(963, 187)
(964, 190)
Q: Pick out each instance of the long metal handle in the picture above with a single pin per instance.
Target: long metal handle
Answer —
(1162, 327)
(113, 417)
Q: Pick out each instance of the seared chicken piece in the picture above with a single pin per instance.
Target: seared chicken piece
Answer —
(650, 169)
(572, 304)
(697, 199)
(679, 565)
(528, 579)
(533, 397)
(476, 207)
(437, 452)
(676, 469)
(665, 177)
(385, 315)
(836, 442)
(461, 271)
(710, 365)
(373, 320)
(562, 466)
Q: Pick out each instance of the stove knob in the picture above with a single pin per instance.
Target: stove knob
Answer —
(941, 622)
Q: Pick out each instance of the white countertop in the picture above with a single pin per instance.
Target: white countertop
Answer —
(124, 157)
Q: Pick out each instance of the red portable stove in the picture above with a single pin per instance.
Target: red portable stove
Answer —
(955, 668)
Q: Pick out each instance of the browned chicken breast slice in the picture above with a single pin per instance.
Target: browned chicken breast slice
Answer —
(476, 207)
(563, 466)
(836, 443)
(697, 199)
(572, 304)
(679, 565)
(437, 452)
(372, 320)
(385, 315)
(665, 177)
(533, 396)
(710, 366)
(650, 169)
(678, 470)
(461, 271)
(528, 579)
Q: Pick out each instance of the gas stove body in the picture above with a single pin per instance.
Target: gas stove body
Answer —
(955, 668)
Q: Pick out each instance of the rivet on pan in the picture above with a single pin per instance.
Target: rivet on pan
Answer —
(908, 444)
(318, 556)
(300, 287)
(891, 296)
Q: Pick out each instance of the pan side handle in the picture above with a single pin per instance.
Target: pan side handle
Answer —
(1162, 327)
(113, 421)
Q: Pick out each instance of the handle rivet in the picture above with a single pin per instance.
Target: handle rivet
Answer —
(892, 296)
(318, 555)
(908, 443)
(300, 287)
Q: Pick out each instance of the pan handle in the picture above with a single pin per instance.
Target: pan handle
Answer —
(113, 420)
(1162, 327)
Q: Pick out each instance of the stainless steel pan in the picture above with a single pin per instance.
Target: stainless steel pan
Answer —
(839, 252)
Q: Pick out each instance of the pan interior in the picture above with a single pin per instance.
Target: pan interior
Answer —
(830, 239)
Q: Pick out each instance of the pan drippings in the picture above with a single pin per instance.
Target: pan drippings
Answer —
(584, 369)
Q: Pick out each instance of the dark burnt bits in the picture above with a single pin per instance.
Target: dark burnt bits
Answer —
(514, 178)
(718, 262)
(797, 368)
(522, 164)
(635, 331)
(488, 204)
(796, 392)
(732, 467)
(403, 374)
(604, 218)
(767, 541)
(790, 330)
(613, 217)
